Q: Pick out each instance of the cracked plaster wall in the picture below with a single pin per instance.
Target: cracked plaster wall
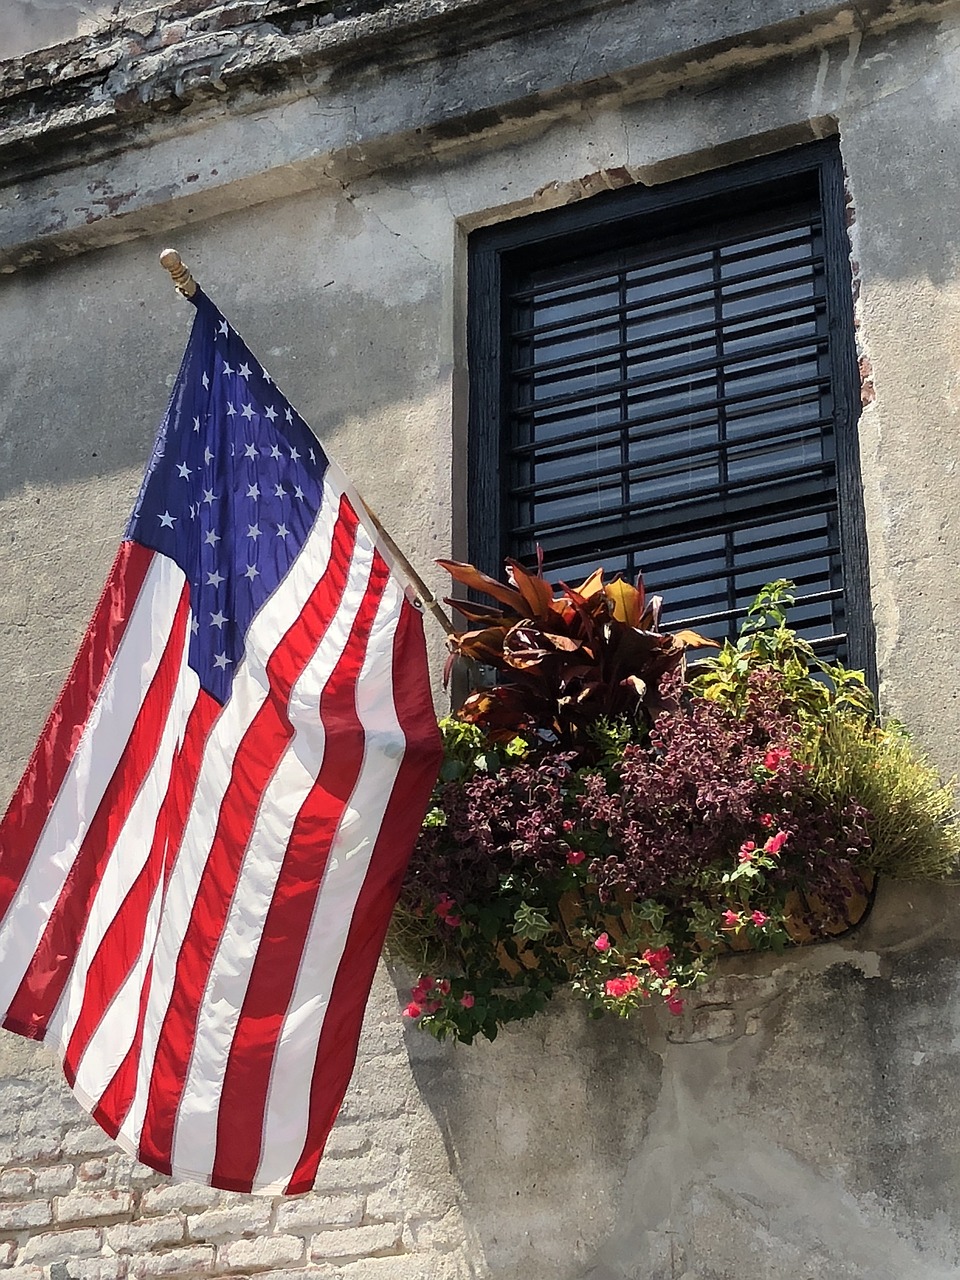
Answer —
(801, 1120)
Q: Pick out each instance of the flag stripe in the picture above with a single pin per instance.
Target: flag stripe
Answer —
(42, 985)
(260, 751)
(116, 1031)
(116, 1100)
(279, 950)
(286, 1116)
(46, 771)
(115, 956)
(250, 689)
(296, 772)
(339, 1038)
(123, 865)
(92, 766)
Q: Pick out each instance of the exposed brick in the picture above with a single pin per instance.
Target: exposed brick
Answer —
(57, 1178)
(355, 1242)
(313, 1212)
(386, 1202)
(16, 1183)
(177, 1262)
(347, 1140)
(90, 1140)
(147, 1233)
(92, 1170)
(408, 1266)
(30, 1147)
(96, 1269)
(258, 1255)
(21, 1214)
(370, 1170)
(228, 1223)
(8, 1251)
(57, 1246)
(188, 1197)
(91, 1206)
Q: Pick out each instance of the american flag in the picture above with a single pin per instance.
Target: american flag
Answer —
(199, 864)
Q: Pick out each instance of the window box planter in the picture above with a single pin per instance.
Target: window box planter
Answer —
(613, 817)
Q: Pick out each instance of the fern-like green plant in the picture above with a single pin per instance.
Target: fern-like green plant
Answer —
(912, 816)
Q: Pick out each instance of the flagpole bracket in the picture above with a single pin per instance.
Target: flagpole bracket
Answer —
(171, 261)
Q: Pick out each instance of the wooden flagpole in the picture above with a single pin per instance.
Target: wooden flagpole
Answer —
(171, 261)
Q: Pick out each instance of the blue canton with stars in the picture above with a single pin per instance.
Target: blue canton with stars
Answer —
(231, 491)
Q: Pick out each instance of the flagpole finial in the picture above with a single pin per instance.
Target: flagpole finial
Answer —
(171, 261)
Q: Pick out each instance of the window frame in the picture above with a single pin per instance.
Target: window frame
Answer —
(617, 218)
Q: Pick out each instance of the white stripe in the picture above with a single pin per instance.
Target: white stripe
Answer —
(250, 689)
(196, 1130)
(115, 1034)
(126, 860)
(104, 738)
(287, 1110)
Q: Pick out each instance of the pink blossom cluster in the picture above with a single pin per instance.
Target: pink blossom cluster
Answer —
(736, 919)
(620, 987)
(446, 910)
(428, 996)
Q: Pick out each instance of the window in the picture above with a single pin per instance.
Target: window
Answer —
(665, 379)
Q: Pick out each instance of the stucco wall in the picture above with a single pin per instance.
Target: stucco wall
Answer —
(802, 1120)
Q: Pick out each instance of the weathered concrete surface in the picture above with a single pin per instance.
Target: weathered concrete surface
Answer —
(173, 117)
(791, 1124)
(803, 1121)
(28, 25)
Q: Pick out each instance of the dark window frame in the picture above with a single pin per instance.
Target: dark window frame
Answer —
(628, 217)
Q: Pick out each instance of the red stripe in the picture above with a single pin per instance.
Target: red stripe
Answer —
(120, 945)
(279, 951)
(117, 1099)
(337, 1049)
(46, 976)
(110, 1112)
(33, 799)
(258, 754)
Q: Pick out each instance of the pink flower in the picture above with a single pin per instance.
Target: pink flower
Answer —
(568, 825)
(423, 988)
(674, 1003)
(731, 920)
(775, 758)
(412, 1010)
(602, 943)
(747, 850)
(775, 843)
(766, 819)
(575, 857)
(659, 961)
(445, 905)
(620, 987)
(467, 1000)
(444, 987)
(759, 919)
(452, 921)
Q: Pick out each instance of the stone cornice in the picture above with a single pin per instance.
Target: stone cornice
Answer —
(93, 133)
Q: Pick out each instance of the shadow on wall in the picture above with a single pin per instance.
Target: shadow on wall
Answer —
(96, 355)
(540, 1128)
(801, 1121)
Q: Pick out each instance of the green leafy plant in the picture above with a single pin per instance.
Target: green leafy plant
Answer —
(585, 834)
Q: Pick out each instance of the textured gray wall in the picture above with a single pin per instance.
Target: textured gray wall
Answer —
(802, 1119)
(26, 25)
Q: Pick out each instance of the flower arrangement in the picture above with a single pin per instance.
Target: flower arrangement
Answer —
(612, 818)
